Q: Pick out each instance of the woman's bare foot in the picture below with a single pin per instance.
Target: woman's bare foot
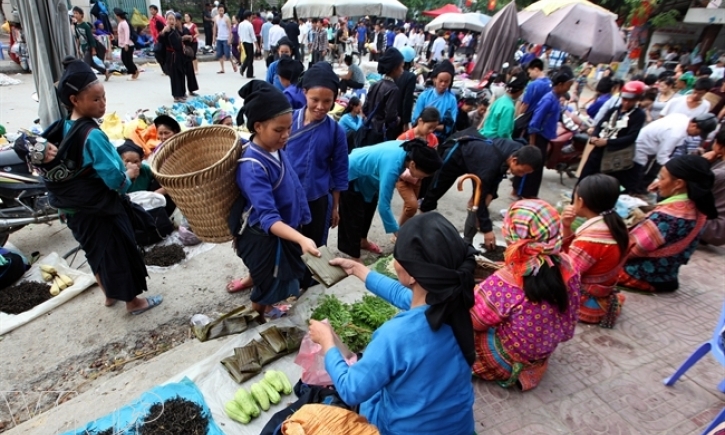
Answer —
(110, 302)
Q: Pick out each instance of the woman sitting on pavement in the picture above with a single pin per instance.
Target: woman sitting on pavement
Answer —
(86, 179)
(222, 117)
(166, 128)
(668, 236)
(714, 232)
(132, 154)
(598, 248)
(374, 171)
(270, 243)
(430, 342)
(353, 78)
(525, 309)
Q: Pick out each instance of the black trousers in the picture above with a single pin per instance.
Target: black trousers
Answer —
(248, 64)
(88, 58)
(454, 167)
(646, 174)
(315, 230)
(348, 83)
(127, 59)
(208, 34)
(356, 217)
(528, 186)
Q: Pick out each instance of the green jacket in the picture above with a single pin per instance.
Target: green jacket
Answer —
(84, 35)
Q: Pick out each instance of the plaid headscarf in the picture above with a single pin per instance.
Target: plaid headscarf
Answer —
(531, 230)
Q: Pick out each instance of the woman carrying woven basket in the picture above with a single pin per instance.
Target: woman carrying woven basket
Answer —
(270, 243)
(530, 305)
(86, 179)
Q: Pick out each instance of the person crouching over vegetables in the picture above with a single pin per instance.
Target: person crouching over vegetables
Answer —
(373, 173)
(86, 179)
(415, 375)
(270, 244)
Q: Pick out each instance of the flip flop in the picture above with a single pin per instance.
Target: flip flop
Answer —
(275, 313)
(152, 301)
(236, 286)
(220, 72)
(372, 247)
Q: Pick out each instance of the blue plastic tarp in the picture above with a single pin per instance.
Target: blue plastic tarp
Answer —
(126, 420)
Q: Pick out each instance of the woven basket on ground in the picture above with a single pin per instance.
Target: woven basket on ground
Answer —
(197, 168)
(484, 269)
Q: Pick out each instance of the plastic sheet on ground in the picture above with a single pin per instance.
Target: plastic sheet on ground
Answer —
(126, 420)
(218, 387)
(190, 251)
(81, 281)
(6, 80)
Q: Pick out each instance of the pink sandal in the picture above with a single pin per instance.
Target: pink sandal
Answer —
(236, 286)
(372, 247)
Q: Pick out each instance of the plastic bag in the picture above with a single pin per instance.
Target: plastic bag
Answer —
(98, 62)
(112, 126)
(138, 19)
(312, 360)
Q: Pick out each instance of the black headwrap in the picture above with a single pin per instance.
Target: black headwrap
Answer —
(321, 75)
(167, 121)
(695, 170)
(390, 60)
(444, 66)
(130, 146)
(285, 41)
(76, 77)
(290, 69)
(426, 158)
(262, 102)
(119, 12)
(430, 249)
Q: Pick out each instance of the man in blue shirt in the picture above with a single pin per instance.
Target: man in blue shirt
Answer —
(389, 37)
(539, 86)
(542, 129)
(362, 37)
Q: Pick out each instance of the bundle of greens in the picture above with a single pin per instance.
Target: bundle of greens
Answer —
(355, 323)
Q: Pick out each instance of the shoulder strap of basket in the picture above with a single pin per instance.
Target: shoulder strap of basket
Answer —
(244, 218)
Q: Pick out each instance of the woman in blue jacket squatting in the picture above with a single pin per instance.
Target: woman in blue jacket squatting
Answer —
(429, 343)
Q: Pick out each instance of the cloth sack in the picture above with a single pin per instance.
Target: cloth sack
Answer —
(323, 419)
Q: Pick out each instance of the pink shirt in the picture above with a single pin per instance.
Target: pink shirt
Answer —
(124, 34)
(529, 331)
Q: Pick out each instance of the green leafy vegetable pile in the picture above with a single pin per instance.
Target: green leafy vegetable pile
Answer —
(355, 323)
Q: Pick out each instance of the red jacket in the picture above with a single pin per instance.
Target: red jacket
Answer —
(156, 25)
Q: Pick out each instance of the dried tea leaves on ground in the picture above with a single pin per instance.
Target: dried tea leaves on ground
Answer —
(23, 296)
(165, 256)
(175, 416)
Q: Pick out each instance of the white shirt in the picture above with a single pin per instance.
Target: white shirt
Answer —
(400, 41)
(660, 138)
(718, 72)
(304, 30)
(275, 34)
(439, 46)
(222, 28)
(246, 32)
(679, 105)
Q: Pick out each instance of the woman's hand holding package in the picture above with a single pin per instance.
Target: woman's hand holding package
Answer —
(309, 246)
(321, 333)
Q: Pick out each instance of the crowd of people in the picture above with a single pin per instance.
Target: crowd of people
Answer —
(303, 173)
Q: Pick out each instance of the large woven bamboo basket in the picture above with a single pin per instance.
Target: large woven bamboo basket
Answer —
(197, 168)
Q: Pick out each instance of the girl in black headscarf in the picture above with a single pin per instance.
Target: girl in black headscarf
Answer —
(430, 343)
(269, 241)
(668, 236)
(177, 38)
(383, 100)
(86, 180)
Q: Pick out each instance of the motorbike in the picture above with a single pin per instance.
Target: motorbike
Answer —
(23, 196)
(566, 150)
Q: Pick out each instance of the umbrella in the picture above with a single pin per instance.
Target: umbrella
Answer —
(380, 8)
(346, 8)
(449, 8)
(580, 28)
(471, 21)
(48, 35)
(498, 41)
(549, 6)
